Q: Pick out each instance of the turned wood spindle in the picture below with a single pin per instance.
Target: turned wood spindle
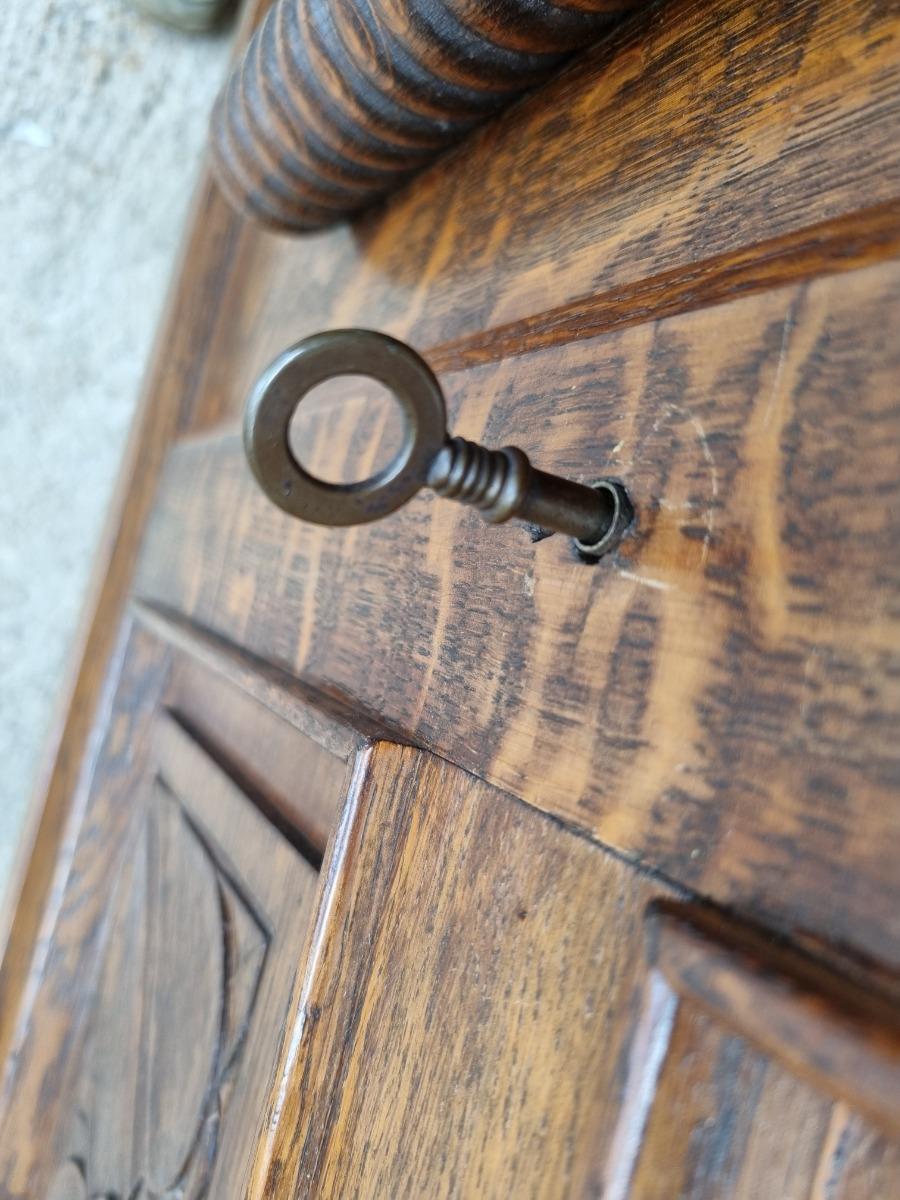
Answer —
(335, 102)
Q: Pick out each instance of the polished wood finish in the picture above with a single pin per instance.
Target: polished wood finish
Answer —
(842, 1036)
(726, 1122)
(460, 1002)
(464, 726)
(758, 1066)
(148, 1049)
(627, 174)
(335, 103)
(713, 700)
(489, 1048)
(844, 243)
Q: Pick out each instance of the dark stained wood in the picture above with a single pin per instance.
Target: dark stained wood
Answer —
(291, 776)
(675, 263)
(151, 1037)
(167, 404)
(334, 104)
(468, 1003)
(698, 133)
(718, 699)
(843, 1037)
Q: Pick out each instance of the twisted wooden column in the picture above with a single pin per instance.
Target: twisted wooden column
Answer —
(335, 102)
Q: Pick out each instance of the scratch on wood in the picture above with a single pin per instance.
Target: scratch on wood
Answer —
(645, 580)
(648, 1053)
(779, 367)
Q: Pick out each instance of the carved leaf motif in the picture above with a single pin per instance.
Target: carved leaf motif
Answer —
(182, 970)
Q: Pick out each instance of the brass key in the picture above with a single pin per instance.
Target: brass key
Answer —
(501, 484)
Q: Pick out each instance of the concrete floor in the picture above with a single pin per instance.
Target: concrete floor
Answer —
(102, 121)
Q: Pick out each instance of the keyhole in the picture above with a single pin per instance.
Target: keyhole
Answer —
(346, 429)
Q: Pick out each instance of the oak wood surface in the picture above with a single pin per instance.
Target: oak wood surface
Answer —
(469, 1012)
(462, 1022)
(477, 1020)
(148, 1047)
(238, 301)
(44, 1026)
(334, 104)
(717, 700)
(744, 1025)
(674, 264)
(725, 1122)
(276, 888)
(291, 777)
(843, 1037)
(756, 139)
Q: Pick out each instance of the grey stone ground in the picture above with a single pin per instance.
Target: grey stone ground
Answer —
(102, 120)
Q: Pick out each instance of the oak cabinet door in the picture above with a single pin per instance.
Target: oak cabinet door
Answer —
(463, 998)
(424, 858)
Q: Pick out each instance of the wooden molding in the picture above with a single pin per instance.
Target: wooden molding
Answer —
(827, 1029)
(335, 103)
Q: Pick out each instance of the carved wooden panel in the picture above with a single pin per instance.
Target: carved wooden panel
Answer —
(143, 1065)
(676, 263)
(183, 968)
(762, 1072)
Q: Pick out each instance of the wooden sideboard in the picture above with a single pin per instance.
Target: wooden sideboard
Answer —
(422, 858)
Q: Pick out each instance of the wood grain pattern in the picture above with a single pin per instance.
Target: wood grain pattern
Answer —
(325, 719)
(335, 103)
(167, 1030)
(857, 1162)
(843, 1037)
(45, 1025)
(480, 241)
(471, 1029)
(688, 137)
(844, 243)
(150, 1035)
(172, 386)
(726, 1123)
(718, 700)
(461, 1026)
(270, 878)
(472, 1015)
(298, 783)
(757, 1090)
